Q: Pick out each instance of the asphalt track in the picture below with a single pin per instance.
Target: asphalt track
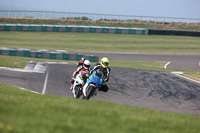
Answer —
(177, 61)
(139, 88)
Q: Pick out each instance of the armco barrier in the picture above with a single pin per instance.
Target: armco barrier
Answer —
(56, 55)
(72, 28)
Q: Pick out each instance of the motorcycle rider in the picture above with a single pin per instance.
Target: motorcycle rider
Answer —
(103, 65)
(80, 62)
(79, 65)
(84, 67)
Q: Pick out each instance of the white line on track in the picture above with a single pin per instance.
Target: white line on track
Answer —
(30, 91)
(20, 70)
(45, 82)
(179, 75)
(166, 65)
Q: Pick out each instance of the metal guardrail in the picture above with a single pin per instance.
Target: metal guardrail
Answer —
(99, 17)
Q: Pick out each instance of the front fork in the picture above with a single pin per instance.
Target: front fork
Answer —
(84, 89)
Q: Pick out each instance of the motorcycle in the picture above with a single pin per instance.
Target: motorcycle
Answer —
(93, 83)
(79, 81)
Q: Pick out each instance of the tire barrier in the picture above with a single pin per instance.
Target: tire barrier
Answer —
(174, 32)
(46, 54)
(72, 28)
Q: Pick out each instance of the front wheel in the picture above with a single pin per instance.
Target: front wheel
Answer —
(78, 91)
(89, 93)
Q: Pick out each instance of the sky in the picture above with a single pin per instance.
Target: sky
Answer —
(161, 8)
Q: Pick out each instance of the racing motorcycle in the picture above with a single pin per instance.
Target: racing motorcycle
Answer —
(79, 81)
(93, 83)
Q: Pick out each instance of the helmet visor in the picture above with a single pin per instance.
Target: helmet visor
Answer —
(105, 64)
(86, 66)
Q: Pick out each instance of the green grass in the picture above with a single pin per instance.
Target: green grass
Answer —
(89, 42)
(28, 112)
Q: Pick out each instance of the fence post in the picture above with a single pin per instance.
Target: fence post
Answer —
(36, 14)
(81, 17)
(140, 19)
(16, 14)
(118, 19)
(133, 19)
(65, 15)
(2, 14)
(51, 15)
(188, 21)
(171, 21)
(103, 17)
(44, 15)
(58, 15)
(9, 13)
(96, 18)
(110, 18)
(30, 14)
(148, 20)
(163, 20)
(88, 17)
(73, 17)
(196, 22)
(155, 20)
(23, 14)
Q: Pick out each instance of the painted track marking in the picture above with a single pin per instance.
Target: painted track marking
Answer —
(166, 65)
(179, 75)
(45, 82)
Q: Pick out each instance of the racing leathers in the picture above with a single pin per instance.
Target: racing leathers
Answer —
(106, 73)
(80, 68)
(80, 62)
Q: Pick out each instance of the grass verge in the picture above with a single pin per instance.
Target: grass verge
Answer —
(29, 112)
(98, 42)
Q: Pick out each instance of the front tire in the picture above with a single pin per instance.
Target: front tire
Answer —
(89, 92)
(77, 91)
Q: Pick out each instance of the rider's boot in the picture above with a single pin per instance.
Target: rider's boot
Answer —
(73, 91)
(72, 84)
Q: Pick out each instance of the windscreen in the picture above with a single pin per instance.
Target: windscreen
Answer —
(98, 73)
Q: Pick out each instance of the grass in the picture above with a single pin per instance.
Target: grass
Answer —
(89, 42)
(29, 112)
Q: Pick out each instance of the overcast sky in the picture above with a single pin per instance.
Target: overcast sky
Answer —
(166, 8)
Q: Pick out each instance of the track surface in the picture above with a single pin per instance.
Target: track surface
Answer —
(140, 88)
(177, 61)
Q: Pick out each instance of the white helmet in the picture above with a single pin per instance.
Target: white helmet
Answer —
(86, 64)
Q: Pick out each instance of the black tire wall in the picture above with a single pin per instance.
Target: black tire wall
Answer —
(174, 32)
